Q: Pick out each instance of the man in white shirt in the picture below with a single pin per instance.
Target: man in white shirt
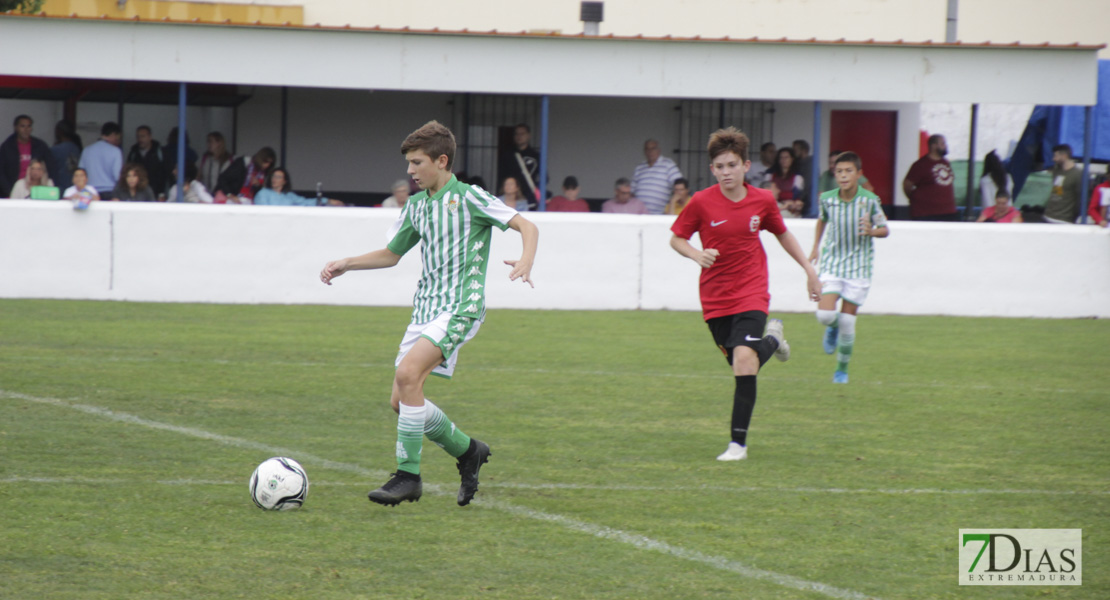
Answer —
(653, 179)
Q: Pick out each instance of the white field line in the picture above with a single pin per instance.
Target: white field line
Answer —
(599, 531)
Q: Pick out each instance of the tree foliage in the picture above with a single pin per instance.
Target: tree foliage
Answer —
(23, 6)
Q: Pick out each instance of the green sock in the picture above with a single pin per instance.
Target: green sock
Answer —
(410, 438)
(443, 432)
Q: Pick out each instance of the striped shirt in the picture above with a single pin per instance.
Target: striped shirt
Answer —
(653, 184)
(844, 252)
(454, 226)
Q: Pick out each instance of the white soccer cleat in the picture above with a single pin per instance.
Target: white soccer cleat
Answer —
(774, 329)
(735, 452)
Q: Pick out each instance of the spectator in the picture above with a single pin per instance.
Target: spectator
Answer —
(828, 183)
(279, 191)
(787, 185)
(758, 175)
(652, 179)
(569, 201)
(65, 153)
(399, 194)
(523, 164)
(81, 193)
(17, 152)
(1001, 211)
(804, 161)
(169, 153)
(148, 153)
(215, 161)
(511, 195)
(103, 160)
(995, 179)
(36, 176)
(680, 195)
(928, 185)
(245, 177)
(1067, 178)
(623, 201)
(134, 185)
(1099, 208)
(195, 192)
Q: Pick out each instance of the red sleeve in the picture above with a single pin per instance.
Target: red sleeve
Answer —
(689, 220)
(772, 216)
(1094, 209)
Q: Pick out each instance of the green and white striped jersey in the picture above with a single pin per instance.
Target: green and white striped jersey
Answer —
(454, 226)
(844, 252)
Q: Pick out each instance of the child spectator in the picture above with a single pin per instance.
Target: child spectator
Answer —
(1001, 211)
(195, 192)
(81, 193)
(569, 201)
(133, 186)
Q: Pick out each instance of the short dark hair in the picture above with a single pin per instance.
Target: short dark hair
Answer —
(524, 125)
(570, 183)
(767, 146)
(434, 139)
(804, 145)
(288, 181)
(1002, 193)
(849, 157)
(622, 181)
(110, 128)
(265, 153)
(142, 127)
(681, 180)
(936, 137)
(1066, 149)
(20, 118)
(729, 139)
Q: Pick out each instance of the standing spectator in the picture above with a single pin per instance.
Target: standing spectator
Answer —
(169, 154)
(279, 191)
(1099, 207)
(828, 183)
(215, 161)
(17, 152)
(1001, 211)
(787, 185)
(148, 153)
(1067, 178)
(569, 201)
(36, 176)
(103, 160)
(523, 164)
(995, 179)
(399, 194)
(623, 202)
(804, 161)
(680, 195)
(512, 196)
(759, 175)
(65, 154)
(928, 185)
(246, 175)
(134, 186)
(195, 192)
(652, 179)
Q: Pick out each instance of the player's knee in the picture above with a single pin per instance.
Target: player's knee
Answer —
(826, 317)
(407, 377)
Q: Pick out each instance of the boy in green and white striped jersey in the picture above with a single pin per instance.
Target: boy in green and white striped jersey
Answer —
(454, 221)
(852, 216)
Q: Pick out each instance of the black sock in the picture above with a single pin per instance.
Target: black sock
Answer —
(766, 348)
(743, 403)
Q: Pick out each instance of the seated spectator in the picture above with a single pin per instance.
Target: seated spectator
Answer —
(787, 185)
(245, 177)
(994, 179)
(169, 153)
(279, 191)
(569, 201)
(103, 160)
(512, 196)
(622, 201)
(1067, 178)
(195, 192)
(65, 153)
(215, 161)
(17, 152)
(759, 175)
(148, 153)
(399, 195)
(827, 183)
(680, 195)
(36, 176)
(1001, 211)
(133, 185)
(81, 193)
(1099, 208)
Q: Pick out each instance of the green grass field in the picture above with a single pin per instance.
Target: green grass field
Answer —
(128, 433)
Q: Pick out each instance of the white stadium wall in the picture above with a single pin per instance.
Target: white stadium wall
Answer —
(246, 254)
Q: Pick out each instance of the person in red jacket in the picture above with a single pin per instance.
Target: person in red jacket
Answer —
(1099, 207)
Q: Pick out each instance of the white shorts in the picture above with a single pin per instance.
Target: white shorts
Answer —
(852, 290)
(448, 332)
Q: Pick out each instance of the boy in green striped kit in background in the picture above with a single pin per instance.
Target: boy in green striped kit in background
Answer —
(852, 216)
(453, 221)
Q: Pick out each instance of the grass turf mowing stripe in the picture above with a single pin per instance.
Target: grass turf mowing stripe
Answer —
(599, 531)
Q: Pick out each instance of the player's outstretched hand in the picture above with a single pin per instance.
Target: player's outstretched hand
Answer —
(522, 270)
(813, 256)
(332, 270)
(707, 257)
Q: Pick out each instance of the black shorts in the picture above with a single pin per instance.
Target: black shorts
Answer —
(743, 329)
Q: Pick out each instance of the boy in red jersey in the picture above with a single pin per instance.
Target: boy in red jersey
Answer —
(734, 285)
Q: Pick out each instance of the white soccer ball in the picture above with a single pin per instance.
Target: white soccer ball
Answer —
(279, 483)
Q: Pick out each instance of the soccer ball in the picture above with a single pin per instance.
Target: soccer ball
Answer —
(279, 484)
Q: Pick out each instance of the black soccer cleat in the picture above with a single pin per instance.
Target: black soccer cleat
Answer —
(401, 487)
(469, 465)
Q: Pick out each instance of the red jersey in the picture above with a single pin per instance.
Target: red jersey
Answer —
(737, 281)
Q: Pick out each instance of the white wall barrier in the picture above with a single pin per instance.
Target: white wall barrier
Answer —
(246, 254)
